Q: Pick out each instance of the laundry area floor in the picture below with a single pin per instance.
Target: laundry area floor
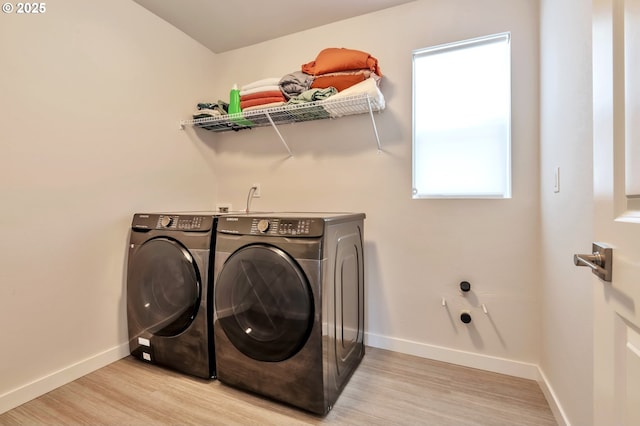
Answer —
(387, 388)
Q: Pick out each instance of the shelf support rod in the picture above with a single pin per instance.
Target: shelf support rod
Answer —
(373, 122)
(278, 132)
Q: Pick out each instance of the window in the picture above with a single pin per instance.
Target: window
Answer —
(462, 119)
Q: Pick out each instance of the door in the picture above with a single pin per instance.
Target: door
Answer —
(616, 97)
(163, 289)
(264, 303)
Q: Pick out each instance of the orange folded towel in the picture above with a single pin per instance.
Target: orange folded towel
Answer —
(266, 94)
(341, 80)
(261, 101)
(335, 59)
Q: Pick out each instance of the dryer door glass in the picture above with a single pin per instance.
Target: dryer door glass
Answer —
(264, 303)
(164, 287)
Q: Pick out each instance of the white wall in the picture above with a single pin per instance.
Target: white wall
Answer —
(417, 251)
(92, 93)
(566, 142)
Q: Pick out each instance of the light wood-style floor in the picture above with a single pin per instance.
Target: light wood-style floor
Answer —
(388, 388)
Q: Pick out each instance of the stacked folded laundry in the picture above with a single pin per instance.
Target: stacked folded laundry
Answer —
(207, 109)
(367, 87)
(342, 68)
(295, 83)
(336, 73)
(311, 95)
(264, 93)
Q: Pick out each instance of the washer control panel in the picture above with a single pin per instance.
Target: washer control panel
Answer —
(185, 223)
(272, 226)
(276, 226)
(172, 222)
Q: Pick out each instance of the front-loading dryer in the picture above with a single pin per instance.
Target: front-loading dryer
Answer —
(289, 305)
(169, 291)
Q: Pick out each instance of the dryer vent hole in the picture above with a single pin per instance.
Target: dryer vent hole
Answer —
(465, 317)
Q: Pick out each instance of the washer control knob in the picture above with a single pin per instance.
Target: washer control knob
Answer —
(263, 225)
(166, 221)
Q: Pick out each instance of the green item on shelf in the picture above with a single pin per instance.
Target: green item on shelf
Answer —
(234, 100)
(239, 119)
(235, 112)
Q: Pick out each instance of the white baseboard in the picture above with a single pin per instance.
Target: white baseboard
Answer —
(552, 399)
(454, 356)
(473, 360)
(45, 384)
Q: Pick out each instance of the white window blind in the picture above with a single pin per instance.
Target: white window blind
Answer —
(462, 119)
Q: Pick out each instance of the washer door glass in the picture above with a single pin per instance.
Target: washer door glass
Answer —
(164, 287)
(264, 303)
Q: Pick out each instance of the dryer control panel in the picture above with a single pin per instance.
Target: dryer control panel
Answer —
(272, 226)
(172, 222)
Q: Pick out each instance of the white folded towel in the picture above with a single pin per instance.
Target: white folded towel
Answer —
(271, 81)
(258, 89)
(368, 87)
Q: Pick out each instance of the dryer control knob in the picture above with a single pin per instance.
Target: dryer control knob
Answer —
(263, 225)
(166, 221)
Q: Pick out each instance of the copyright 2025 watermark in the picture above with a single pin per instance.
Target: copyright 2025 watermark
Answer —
(24, 8)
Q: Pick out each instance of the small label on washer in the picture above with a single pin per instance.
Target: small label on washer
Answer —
(146, 356)
(144, 342)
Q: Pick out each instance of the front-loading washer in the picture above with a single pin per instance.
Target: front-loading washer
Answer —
(289, 305)
(169, 291)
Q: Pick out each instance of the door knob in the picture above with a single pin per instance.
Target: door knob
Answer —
(600, 261)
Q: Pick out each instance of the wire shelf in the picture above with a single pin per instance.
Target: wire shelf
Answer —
(293, 113)
(290, 113)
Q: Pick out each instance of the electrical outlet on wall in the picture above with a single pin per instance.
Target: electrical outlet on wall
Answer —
(223, 207)
(257, 193)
